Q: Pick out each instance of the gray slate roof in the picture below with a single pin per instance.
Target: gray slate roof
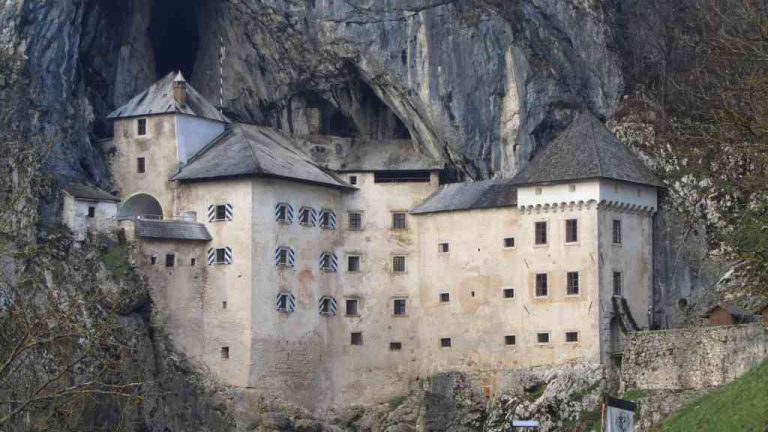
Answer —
(469, 196)
(256, 151)
(387, 155)
(586, 150)
(158, 99)
(171, 230)
(89, 192)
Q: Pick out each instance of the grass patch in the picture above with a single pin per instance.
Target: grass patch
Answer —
(396, 402)
(739, 406)
(116, 260)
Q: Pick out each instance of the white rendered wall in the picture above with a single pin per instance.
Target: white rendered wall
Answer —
(611, 191)
(75, 216)
(193, 133)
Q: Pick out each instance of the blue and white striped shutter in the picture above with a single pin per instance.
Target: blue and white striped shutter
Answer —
(211, 256)
(332, 262)
(277, 255)
(211, 213)
(332, 219)
(291, 258)
(291, 302)
(289, 209)
(331, 305)
(229, 211)
(227, 255)
(313, 216)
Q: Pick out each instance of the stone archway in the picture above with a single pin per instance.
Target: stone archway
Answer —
(141, 206)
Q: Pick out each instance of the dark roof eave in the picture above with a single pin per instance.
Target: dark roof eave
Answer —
(255, 175)
(176, 238)
(345, 170)
(120, 117)
(659, 185)
(424, 212)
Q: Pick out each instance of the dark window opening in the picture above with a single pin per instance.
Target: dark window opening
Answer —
(445, 297)
(395, 346)
(355, 221)
(221, 256)
(541, 233)
(353, 263)
(153, 260)
(224, 305)
(509, 242)
(411, 176)
(399, 307)
(140, 165)
(398, 264)
(443, 247)
(141, 127)
(542, 338)
(509, 293)
(225, 352)
(399, 221)
(572, 285)
(353, 180)
(170, 260)
(221, 212)
(445, 342)
(617, 284)
(91, 211)
(541, 285)
(616, 232)
(571, 336)
(351, 307)
(356, 338)
(174, 30)
(509, 340)
(571, 231)
(192, 262)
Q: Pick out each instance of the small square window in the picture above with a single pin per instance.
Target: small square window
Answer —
(221, 213)
(141, 127)
(353, 179)
(542, 338)
(509, 293)
(356, 338)
(571, 337)
(509, 340)
(509, 242)
(571, 231)
(572, 283)
(395, 346)
(192, 262)
(541, 233)
(398, 221)
(445, 297)
(170, 260)
(443, 247)
(398, 264)
(225, 352)
(353, 263)
(351, 307)
(91, 211)
(616, 231)
(445, 342)
(542, 287)
(617, 284)
(355, 221)
(141, 165)
(153, 260)
(399, 307)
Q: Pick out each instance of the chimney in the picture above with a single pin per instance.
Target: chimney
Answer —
(180, 90)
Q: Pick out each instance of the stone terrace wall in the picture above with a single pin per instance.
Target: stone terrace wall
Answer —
(692, 358)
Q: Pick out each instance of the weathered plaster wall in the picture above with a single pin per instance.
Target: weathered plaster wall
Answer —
(692, 358)
(75, 216)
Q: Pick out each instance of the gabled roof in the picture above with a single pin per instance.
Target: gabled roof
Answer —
(171, 230)
(256, 151)
(586, 150)
(89, 192)
(469, 196)
(158, 99)
(387, 155)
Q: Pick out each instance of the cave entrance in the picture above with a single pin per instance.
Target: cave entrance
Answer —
(175, 32)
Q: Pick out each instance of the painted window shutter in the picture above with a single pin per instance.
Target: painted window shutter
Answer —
(227, 255)
(331, 302)
(290, 302)
(211, 213)
(290, 256)
(288, 212)
(328, 262)
(211, 256)
(230, 211)
(332, 219)
(313, 216)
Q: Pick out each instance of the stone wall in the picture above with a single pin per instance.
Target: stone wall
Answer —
(692, 358)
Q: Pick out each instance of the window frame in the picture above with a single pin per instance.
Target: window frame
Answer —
(549, 337)
(308, 211)
(395, 346)
(614, 224)
(508, 338)
(404, 312)
(620, 280)
(568, 332)
(325, 306)
(350, 226)
(504, 242)
(326, 262)
(216, 260)
(353, 179)
(170, 258)
(359, 263)
(445, 342)
(393, 268)
(447, 297)
(536, 285)
(216, 208)
(141, 165)
(356, 302)
(287, 218)
(536, 225)
(568, 284)
(568, 232)
(139, 122)
(284, 251)
(330, 222)
(91, 212)
(356, 341)
(395, 214)
(283, 297)
(504, 292)
(440, 248)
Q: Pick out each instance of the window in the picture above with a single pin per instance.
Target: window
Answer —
(443, 247)
(224, 304)
(398, 264)
(285, 302)
(328, 262)
(326, 306)
(192, 262)
(541, 233)
(351, 306)
(284, 213)
(445, 342)
(353, 179)
(572, 336)
(541, 285)
(571, 231)
(616, 232)
(91, 211)
(170, 260)
(509, 340)
(542, 338)
(220, 212)
(572, 283)
(153, 260)
(307, 216)
(401, 177)
(327, 219)
(617, 284)
(445, 297)
(141, 127)
(509, 293)
(571, 188)
(398, 221)
(220, 256)
(355, 221)
(353, 263)
(225, 352)
(356, 338)
(140, 165)
(284, 256)
(509, 242)
(395, 346)
(399, 307)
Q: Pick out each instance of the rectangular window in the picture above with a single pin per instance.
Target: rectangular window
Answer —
(445, 297)
(401, 176)
(398, 221)
(399, 307)
(572, 283)
(355, 221)
(617, 284)
(445, 342)
(509, 340)
(351, 307)
(616, 232)
(398, 264)
(327, 306)
(91, 211)
(353, 180)
(328, 262)
(509, 242)
(443, 247)
(140, 165)
(327, 219)
(192, 262)
(284, 213)
(220, 212)
(541, 285)
(170, 260)
(153, 260)
(221, 256)
(141, 127)
(282, 257)
(541, 233)
(356, 338)
(542, 338)
(571, 336)
(571, 231)
(395, 346)
(286, 302)
(509, 293)
(353, 263)
(307, 216)
(225, 352)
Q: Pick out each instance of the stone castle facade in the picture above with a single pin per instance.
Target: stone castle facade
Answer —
(329, 272)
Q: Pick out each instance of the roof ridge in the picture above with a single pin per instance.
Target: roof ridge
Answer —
(594, 144)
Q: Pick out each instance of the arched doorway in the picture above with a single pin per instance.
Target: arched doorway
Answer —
(141, 206)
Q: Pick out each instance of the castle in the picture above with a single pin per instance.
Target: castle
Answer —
(332, 274)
